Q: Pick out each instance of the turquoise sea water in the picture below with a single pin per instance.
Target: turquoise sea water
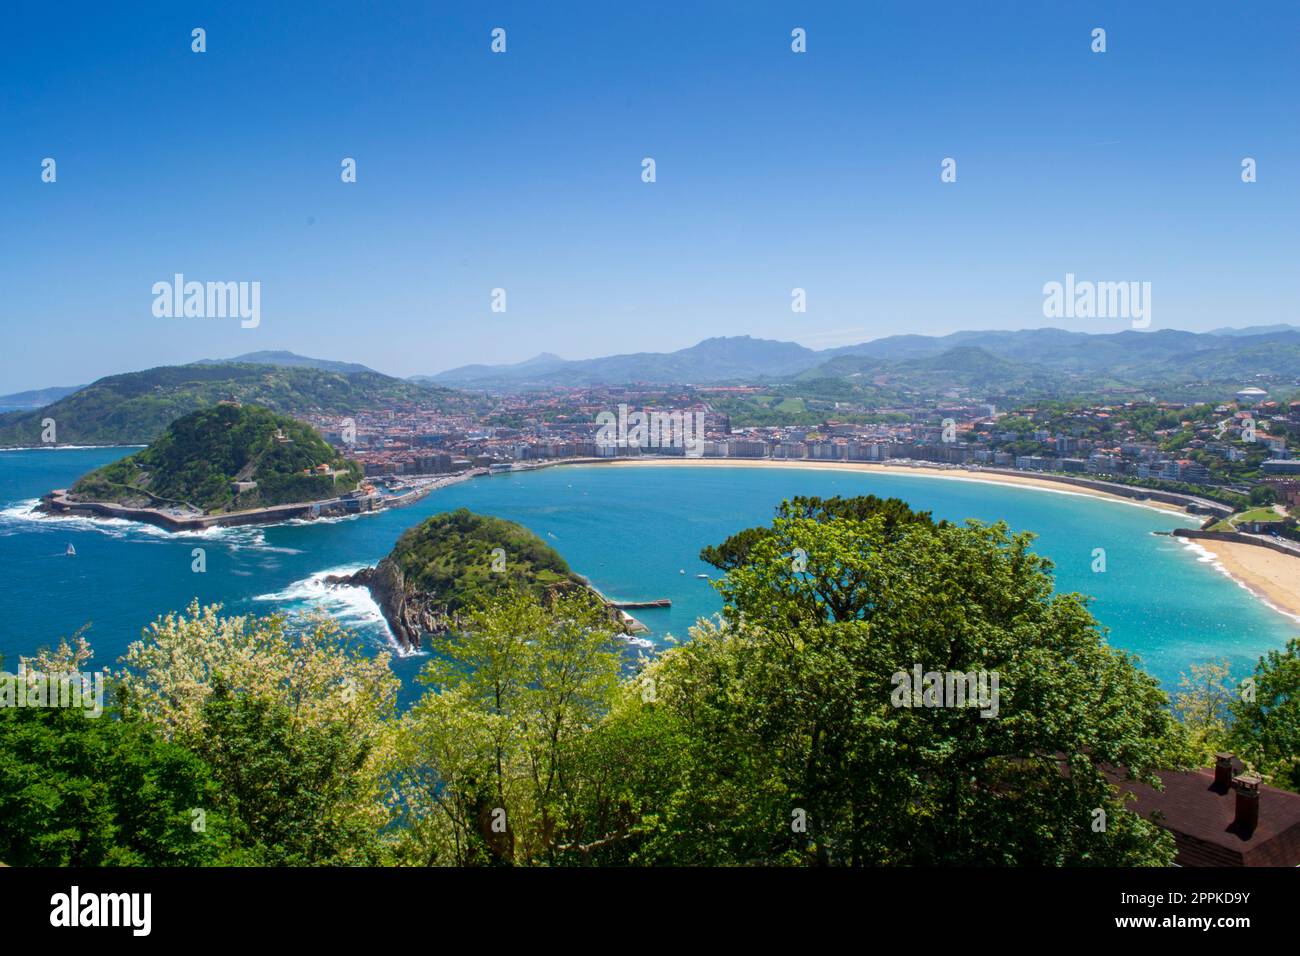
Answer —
(632, 530)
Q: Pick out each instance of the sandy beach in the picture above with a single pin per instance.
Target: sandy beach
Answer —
(951, 474)
(1270, 575)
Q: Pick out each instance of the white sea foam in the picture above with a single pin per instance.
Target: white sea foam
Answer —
(22, 516)
(68, 447)
(352, 607)
(331, 519)
(20, 510)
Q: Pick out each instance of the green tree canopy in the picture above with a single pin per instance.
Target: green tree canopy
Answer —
(490, 750)
(1266, 721)
(787, 716)
(895, 513)
(196, 460)
(464, 559)
(82, 791)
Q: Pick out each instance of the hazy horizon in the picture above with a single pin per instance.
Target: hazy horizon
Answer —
(508, 362)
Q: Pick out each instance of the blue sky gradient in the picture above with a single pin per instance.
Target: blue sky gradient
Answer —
(522, 171)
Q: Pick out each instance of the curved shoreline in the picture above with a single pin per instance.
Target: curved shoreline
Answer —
(1270, 577)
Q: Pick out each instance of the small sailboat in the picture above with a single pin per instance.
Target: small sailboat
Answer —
(71, 552)
(681, 571)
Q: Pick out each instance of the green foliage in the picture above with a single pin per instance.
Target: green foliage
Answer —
(491, 772)
(773, 737)
(199, 456)
(786, 708)
(1263, 495)
(296, 723)
(896, 515)
(1266, 728)
(81, 791)
(451, 555)
(1203, 705)
(281, 786)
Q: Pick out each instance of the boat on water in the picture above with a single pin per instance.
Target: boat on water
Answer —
(705, 576)
(71, 552)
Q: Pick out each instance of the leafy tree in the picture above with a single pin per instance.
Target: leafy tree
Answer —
(1266, 727)
(1203, 705)
(77, 790)
(308, 707)
(794, 750)
(489, 750)
(287, 790)
(734, 552)
(621, 778)
(1263, 495)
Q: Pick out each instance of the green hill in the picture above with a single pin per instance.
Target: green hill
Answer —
(450, 555)
(200, 456)
(136, 407)
(448, 563)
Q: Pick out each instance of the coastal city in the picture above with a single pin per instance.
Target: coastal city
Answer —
(1239, 448)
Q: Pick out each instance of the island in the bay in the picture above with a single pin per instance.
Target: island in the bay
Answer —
(227, 464)
(451, 562)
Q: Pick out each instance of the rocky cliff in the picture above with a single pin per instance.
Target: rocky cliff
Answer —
(408, 611)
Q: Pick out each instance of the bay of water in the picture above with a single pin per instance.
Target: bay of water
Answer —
(636, 532)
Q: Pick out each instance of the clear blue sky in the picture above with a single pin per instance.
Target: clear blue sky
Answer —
(522, 171)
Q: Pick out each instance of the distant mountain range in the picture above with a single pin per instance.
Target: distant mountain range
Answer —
(36, 398)
(980, 359)
(1004, 367)
(537, 365)
(713, 360)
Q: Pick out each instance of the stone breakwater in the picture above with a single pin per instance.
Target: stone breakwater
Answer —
(58, 502)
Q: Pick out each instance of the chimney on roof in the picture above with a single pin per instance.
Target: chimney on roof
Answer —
(1247, 787)
(1222, 771)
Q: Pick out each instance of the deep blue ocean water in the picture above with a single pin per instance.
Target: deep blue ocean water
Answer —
(631, 530)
